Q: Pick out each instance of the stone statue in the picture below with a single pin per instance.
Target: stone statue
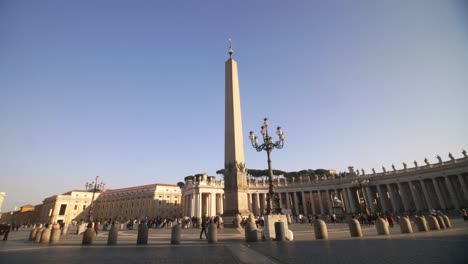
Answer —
(384, 170)
(426, 161)
(464, 154)
(415, 164)
(393, 167)
(373, 171)
(439, 158)
(451, 157)
(363, 172)
(351, 169)
(357, 172)
(405, 166)
(337, 202)
(316, 177)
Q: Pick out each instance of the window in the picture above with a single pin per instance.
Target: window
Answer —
(76, 206)
(63, 208)
(84, 207)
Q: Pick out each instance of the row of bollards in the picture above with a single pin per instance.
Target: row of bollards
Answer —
(45, 235)
(381, 225)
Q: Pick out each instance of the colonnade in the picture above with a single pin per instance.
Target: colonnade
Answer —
(203, 203)
(444, 192)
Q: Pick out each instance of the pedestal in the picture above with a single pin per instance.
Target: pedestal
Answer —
(269, 228)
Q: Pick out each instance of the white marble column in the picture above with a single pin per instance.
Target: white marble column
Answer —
(367, 199)
(322, 211)
(426, 195)
(250, 202)
(393, 198)
(441, 199)
(451, 191)
(383, 198)
(304, 203)
(198, 206)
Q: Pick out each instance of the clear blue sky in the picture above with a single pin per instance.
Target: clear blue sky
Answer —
(133, 91)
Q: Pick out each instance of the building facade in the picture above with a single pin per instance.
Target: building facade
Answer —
(66, 207)
(442, 185)
(152, 200)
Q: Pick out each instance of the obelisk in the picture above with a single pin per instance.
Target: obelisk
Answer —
(235, 175)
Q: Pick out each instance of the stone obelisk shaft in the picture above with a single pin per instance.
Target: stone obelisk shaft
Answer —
(235, 177)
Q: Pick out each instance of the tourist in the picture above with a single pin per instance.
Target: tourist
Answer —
(203, 226)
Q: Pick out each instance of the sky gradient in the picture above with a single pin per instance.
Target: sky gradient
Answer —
(133, 91)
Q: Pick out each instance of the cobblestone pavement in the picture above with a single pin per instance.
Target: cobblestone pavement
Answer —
(446, 246)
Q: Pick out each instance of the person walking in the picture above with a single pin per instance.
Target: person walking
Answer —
(204, 223)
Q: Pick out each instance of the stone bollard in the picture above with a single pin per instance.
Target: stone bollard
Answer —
(212, 233)
(382, 227)
(237, 221)
(320, 229)
(433, 223)
(113, 234)
(421, 223)
(55, 236)
(45, 237)
(89, 235)
(355, 228)
(175, 234)
(405, 225)
(279, 231)
(220, 223)
(441, 222)
(251, 230)
(37, 239)
(32, 235)
(64, 230)
(447, 222)
(142, 238)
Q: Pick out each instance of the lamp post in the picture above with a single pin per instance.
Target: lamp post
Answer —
(361, 183)
(273, 206)
(93, 187)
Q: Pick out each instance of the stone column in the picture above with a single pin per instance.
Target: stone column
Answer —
(352, 205)
(426, 195)
(257, 204)
(250, 201)
(404, 197)
(393, 198)
(280, 198)
(451, 191)
(463, 185)
(304, 203)
(312, 203)
(262, 204)
(383, 198)
(296, 206)
(366, 198)
(330, 208)
(288, 203)
(213, 204)
(321, 202)
(198, 204)
(439, 194)
(415, 196)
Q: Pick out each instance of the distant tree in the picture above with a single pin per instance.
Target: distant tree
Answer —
(190, 177)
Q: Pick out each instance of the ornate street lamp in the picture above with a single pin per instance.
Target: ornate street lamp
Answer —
(93, 187)
(360, 182)
(273, 206)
